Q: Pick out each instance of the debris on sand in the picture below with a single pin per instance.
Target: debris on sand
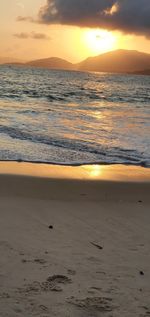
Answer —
(97, 246)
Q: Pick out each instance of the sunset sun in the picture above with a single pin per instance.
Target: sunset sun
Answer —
(99, 41)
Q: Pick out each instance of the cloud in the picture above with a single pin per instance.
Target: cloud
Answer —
(22, 19)
(129, 16)
(32, 35)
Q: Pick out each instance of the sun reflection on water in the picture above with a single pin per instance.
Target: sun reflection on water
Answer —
(98, 115)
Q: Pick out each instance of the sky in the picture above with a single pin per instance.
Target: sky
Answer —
(72, 29)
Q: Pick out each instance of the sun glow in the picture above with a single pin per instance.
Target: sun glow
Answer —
(93, 171)
(99, 41)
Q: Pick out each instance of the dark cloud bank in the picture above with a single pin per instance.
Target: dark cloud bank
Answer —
(129, 16)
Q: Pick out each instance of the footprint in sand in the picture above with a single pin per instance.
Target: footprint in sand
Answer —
(53, 284)
(101, 304)
(4, 295)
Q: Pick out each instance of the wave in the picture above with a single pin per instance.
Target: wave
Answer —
(107, 155)
(24, 96)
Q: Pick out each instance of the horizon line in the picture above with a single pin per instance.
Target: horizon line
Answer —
(19, 60)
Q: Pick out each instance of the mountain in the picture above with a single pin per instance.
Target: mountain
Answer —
(51, 63)
(9, 60)
(119, 61)
(145, 72)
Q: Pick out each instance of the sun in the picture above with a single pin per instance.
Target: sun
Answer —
(99, 41)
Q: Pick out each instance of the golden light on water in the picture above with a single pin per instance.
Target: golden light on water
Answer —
(99, 41)
(98, 115)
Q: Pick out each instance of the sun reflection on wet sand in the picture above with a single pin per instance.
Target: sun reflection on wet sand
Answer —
(81, 173)
(93, 170)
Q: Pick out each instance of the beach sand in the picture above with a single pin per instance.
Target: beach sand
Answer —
(74, 241)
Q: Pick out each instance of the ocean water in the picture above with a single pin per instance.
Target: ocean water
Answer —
(74, 117)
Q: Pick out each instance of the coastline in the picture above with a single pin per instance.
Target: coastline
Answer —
(90, 182)
(74, 241)
(92, 172)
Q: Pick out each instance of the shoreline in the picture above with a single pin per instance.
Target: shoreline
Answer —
(91, 182)
(89, 172)
(77, 164)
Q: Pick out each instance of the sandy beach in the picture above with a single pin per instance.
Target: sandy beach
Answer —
(74, 241)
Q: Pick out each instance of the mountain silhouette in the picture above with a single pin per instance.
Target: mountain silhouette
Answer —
(119, 61)
(52, 63)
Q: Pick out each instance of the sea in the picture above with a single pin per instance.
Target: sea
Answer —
(73, 118)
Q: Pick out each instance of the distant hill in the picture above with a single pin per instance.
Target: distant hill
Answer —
(10, 60)
(52, 63)
(120, 61)
(145, 72)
